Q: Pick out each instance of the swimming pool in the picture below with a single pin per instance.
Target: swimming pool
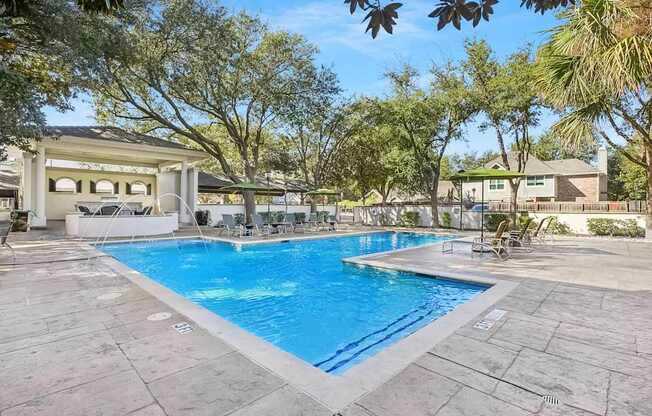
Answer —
(299, 295)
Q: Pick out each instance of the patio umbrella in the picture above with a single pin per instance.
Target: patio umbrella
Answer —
(324, 192)
(481, 174)
(243, 187)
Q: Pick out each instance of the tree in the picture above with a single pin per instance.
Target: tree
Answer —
(508, 101)
(373, 159)
(188, 64)
(446, 12)
(471, 160)
(428, 121)
(42, 44)
(317, 133)
(597, 69)
(627, 180)
(550, 147)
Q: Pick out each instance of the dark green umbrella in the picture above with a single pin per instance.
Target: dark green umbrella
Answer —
(324, 191)
(482, 174)
(255, 188)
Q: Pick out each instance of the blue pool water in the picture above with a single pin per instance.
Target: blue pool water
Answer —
(299, 295)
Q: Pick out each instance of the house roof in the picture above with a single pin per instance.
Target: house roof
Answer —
(535, 166)
(114, 134)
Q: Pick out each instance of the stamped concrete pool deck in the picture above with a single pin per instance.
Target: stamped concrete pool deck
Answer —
(576, 339)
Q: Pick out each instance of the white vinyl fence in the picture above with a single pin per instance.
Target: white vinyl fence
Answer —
(390, 215)
(217, 210)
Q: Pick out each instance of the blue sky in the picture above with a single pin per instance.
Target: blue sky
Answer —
(360, 61)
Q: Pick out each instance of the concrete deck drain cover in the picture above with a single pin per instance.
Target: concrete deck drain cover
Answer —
(490, 319)
(109, 296)
(161, 316)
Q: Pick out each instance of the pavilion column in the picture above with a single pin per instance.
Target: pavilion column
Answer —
(39, 219)
(27, 181)
(183, 212)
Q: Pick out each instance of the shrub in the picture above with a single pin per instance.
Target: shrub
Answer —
(383, 219)
(558, 227)
(409, 219)
(616, 228)
(491, 221)
(300, 217)
(447, 220)
(239, 219)
(203, 217)
(322, 215)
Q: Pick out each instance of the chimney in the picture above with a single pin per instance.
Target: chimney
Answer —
(603, 157)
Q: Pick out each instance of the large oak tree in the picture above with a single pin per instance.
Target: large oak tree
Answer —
(187, 63)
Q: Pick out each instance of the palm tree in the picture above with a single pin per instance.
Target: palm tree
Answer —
(596, 69)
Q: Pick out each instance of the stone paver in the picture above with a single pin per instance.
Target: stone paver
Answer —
(485, 358)
(119, 394)
(415, 392)
(526, 333)
(287, 402)
(573, 334)
(469, 402)
(572, 382)
(169, 352)
(215, 388)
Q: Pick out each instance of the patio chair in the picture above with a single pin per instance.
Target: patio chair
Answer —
(109, 210)
(5, 229)
(84, 210)
(520, 238)
(230, 226)
(332, 223)
(498, 244)
(314, 222)
(540, 235)
(290, 221)
(260, 226)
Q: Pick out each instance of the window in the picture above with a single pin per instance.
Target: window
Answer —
(104, 187)
(535, 180)
(65, 185)
(138, 188)
(496, 184)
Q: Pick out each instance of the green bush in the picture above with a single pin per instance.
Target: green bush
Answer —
(447, 220)
(300, 217)
(322, 215)
(383, 219)
(491, 221)
(409, 219)
(558, 227)
(616, 228)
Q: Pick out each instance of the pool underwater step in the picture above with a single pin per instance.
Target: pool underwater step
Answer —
(354, 349)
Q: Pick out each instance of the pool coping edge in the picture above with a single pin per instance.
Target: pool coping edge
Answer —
(334, 391)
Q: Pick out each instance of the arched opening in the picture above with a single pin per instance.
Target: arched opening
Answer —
(65, 185)
(104, 187)
(138, 188)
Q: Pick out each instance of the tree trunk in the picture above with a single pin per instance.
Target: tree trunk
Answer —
(434, 205)
(648, 214)
(250, 206)
(313, 204)
(513, 184)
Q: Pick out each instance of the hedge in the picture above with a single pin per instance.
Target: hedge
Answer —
(615, 228)
(409, 219)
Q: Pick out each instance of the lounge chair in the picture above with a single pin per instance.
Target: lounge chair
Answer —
(540, 235)
(498, 244)
(332, 223)
(230, 226)
(291, 222)
(260, 226)
(5, 229)
(520, 239)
